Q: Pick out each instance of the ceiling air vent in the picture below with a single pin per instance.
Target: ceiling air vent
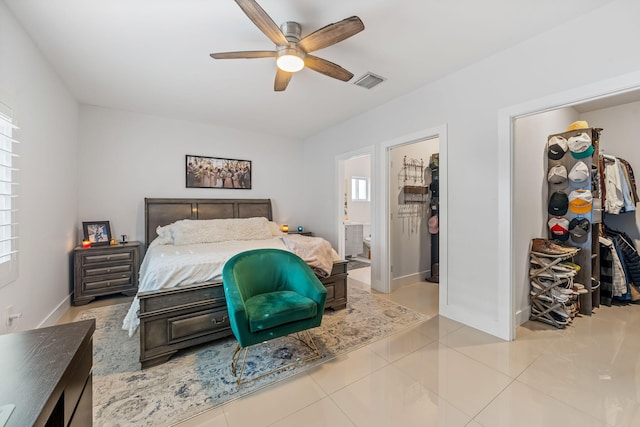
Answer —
(369, 80)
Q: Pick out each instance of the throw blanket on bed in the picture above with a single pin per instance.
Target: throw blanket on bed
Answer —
(315, 251)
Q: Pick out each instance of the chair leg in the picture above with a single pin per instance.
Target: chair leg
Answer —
(235, 358)
(305, 339)
(309, 342)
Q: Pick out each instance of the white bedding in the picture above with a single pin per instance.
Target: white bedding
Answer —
(166, 266)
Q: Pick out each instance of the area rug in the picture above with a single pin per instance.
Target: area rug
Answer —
(199, 379)
(353, 264)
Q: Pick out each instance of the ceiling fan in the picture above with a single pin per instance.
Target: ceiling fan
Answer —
(293, 53)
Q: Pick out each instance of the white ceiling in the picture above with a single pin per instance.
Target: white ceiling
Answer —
(152, 56)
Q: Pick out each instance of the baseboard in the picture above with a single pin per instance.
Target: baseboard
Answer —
(408, 280)
(523, 315)
(52, 318)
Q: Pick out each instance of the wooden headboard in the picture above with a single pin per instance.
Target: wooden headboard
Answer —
(159, 212)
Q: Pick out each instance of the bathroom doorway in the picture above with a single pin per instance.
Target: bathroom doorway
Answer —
(356, 221)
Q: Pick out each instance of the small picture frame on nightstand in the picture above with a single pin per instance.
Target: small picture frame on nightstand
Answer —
(97, 232)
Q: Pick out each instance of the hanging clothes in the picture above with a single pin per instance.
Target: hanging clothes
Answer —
(606, 275)
(627, 198)
(630, 254)
(620, 192)
(614, 201)
(618, 275)
(632, 180)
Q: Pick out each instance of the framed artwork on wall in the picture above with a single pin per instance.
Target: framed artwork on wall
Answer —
(97, 232)
(214, 172)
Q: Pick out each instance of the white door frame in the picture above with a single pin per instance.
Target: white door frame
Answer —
(506, 118)
(381, 269)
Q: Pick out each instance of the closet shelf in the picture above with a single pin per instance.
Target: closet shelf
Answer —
(413, 189)
(415, 194)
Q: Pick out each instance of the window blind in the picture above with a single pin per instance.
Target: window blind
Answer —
(8, 196)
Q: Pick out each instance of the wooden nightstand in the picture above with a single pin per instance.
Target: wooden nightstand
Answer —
(302, 233)
(105, 270)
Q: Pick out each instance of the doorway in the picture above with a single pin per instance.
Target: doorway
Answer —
(357, 218)
(414, 194)
(413, 206)
(514, 235)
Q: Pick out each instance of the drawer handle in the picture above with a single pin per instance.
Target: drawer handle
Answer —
(108, 283)
(108, 270)
(217, 322)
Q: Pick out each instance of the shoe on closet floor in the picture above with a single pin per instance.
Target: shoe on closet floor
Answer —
(579, 288)
(561, 319)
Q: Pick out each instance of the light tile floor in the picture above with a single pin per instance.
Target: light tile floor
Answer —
(442, 373)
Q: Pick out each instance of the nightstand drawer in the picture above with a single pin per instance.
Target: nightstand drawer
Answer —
(111, 269)
(106, 283)
(96, 259)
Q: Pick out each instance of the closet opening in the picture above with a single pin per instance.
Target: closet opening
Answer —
(616, 116)
(414, 213)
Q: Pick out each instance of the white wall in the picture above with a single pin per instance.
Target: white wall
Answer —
(410, 237)
(468, 102)
(358, 211)
(47, 115)
(530, 192)
(620, 138)
(125, 157)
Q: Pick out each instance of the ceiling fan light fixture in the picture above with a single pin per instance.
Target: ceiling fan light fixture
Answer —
(290, 60)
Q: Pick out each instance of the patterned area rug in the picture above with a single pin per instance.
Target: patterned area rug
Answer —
(200, 378)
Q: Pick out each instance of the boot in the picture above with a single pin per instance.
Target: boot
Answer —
(546, 247)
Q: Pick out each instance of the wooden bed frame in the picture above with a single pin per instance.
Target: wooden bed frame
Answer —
(175, 318)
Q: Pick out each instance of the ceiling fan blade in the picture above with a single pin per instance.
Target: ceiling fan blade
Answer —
(263, 21)
(332, 34)
(282, 80)
(327, 68)
(248, 54)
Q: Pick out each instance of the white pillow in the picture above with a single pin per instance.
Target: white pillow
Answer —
(165, 237)
(275, 229)
(186, 231)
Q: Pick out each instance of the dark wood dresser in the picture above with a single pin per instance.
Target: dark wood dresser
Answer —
(46, 374)
(105, 270)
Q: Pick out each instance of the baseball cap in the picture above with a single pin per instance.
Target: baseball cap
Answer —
(579, 124)
(557, 177)
(556, 147)
(579, 172)
(558, 203)
(580, 146)
(433, 224)
(559, 228)
(579, 229)
(580, 201)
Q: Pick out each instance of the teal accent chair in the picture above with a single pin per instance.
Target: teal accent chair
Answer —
(271, 293)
